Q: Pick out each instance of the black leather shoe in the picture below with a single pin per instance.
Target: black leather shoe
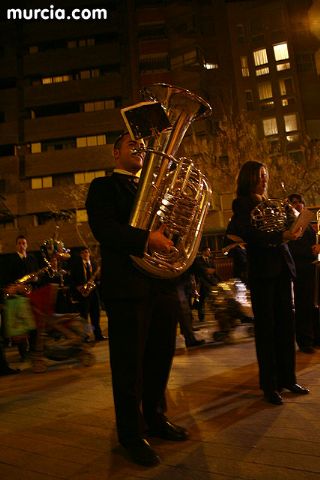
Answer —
(101, 339)
(8, 371)
(141, 453)
(273, 397)
(169, 431)
(295, 388)
(307, 349)
(195, 343)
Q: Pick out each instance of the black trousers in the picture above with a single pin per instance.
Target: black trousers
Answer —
(142, 335)
(306, 314)
(90, 306)
(274, 330)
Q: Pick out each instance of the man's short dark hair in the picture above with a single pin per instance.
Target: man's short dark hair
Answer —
(118, 142)
(83, 248)
(19, 237)
(296, 196)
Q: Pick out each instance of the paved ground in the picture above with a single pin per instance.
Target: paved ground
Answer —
(60, 424)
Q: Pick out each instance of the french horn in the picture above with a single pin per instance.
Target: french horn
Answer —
(172, 192)
(273, 215)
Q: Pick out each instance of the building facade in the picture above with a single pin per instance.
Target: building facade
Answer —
(62, 85)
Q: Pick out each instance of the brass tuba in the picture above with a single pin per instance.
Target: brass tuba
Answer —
(171, 191)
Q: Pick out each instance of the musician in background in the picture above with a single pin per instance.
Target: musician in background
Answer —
(20, 264)
(84, 272)
(205, 272)
(304, 252)
(270, 273)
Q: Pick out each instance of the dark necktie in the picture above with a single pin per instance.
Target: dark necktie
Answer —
(88, 271)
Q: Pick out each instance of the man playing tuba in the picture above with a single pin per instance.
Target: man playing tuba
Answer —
(141, 310)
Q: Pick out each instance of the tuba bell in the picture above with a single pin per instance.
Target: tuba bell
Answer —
(172, 192)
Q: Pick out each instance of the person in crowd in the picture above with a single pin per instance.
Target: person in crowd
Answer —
(141, 310)
(235, 248)
(270, 273)
(5, 369)
(84, 273)
(206, 276)
(22, 263)
(185, 317)
(304, 252)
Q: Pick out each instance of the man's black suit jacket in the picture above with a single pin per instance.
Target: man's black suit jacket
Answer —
(78, 274)
(109, 204)
(17, 268)
(268, 255)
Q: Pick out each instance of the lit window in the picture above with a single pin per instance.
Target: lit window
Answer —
(292, 138)
(270, 126)
(283, 66)
(81, 215)
(47, 80)
(211, 66)
(262, 71)
(101, 140)
(265, 90)
(72, 44)
(281, 51)
(81, 142)
(187, 58)
(87, 177)
(244, 67)
(35, 147)
(290, 122)
(33, 49)
(91, 141)
(89, 107)
(84, 74)
(260, 57)
(41, 182)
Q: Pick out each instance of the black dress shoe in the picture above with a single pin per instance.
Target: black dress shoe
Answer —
(101, 339)
(298, 389)
(8, 371)
(195, 343)
(307, 349)
(169, 431)
(273, 397)
(141, 453)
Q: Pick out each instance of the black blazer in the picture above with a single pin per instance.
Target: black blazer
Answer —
(268, 255)
(17, 268)
(109, 203)
(78, 273)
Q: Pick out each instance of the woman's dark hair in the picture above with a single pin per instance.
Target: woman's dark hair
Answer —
(248, 178)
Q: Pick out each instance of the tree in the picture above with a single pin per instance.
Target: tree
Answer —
(220, 157)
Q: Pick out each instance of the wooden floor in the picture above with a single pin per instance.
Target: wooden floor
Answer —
(60, 424)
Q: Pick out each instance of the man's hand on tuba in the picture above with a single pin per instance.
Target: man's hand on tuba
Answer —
(159, 242)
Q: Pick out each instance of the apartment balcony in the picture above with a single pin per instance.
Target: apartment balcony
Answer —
(73, 125)
(68, 161)
(108, 86)
(53, 62)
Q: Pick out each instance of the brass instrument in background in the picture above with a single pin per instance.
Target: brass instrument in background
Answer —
(172, 192)
(317, 267)
(88, 287)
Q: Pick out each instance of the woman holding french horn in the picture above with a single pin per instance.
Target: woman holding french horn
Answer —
(270, 273)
